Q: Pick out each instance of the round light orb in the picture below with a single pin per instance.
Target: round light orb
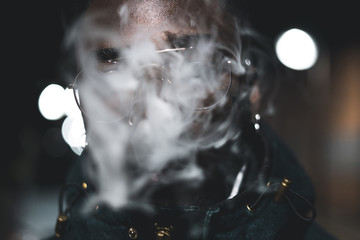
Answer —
(50, 102)
(296, 49)
(73, 132)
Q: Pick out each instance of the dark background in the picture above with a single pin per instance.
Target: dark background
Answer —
(318, 110)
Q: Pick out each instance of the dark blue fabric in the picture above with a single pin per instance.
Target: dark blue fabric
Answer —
(226, 220)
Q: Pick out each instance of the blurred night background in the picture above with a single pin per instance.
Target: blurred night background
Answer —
(317, 111)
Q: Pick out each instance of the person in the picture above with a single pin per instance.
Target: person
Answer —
(171, 93)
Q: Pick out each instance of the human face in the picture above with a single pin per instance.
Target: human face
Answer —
(116, 26)
(166, 124)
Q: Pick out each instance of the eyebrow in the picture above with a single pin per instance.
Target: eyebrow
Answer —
(186, 41)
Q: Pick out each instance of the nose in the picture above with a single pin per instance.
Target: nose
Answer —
(151, 73)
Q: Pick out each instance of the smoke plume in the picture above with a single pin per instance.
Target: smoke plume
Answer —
(149, 110)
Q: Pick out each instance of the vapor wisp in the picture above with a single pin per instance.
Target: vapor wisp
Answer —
(151, 108)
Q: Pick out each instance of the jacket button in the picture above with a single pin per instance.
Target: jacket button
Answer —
(133, 234)
(163, 233)
(61, 224)
(280, 194)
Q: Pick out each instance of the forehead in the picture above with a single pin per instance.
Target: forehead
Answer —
(152, 18)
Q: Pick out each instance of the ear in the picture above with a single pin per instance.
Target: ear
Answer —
(254, 98)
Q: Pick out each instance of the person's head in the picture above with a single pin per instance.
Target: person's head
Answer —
(160, 80)
(194, 46)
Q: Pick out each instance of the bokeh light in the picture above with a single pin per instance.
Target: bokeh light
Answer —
(296, 49)
(71, 108)
(73, 132)
(51, 102)
(56, 102)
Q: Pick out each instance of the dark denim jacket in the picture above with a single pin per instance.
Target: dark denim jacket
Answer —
(277, 211)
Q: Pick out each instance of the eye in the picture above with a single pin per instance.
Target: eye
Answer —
(107, 55)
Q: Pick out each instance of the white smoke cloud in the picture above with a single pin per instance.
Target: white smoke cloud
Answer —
(148, 109)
